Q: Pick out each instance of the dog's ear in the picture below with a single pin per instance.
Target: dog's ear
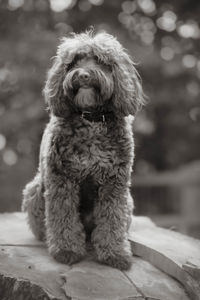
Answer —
(53, 90)
(128, 95)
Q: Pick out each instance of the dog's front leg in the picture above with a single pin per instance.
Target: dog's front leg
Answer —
(111, 216)
(65, 234)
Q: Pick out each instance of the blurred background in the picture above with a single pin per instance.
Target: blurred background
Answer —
(163, 38)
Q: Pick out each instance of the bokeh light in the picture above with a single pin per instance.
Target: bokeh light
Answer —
(129, 7)
(189, 30)
(148, 6)
(15, 4)
(147, 37)
(189, 61)
(194, 114)
(9, 157)
(96, 2)
(60, 5)
(2, 141)
(167, 21)
(85, 5)
(193, 88)
(167, 53)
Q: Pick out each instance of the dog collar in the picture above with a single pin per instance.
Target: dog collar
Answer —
(97, 116)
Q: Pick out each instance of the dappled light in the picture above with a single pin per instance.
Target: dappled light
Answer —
(60, 5)
(2, 141)
(190, 29)
(167, 53)
(167, 21)
(158, 35)
(147, 6)
(9, 157)
(189, 61)
(14, 4)
(84, 5)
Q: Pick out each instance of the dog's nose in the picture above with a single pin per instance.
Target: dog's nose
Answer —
(84, 75)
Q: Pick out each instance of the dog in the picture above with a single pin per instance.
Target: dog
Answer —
(81, 193)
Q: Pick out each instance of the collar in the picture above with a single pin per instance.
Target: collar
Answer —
(97, 116)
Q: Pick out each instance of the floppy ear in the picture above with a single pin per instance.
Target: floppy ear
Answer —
(128, 95)
(53, 90)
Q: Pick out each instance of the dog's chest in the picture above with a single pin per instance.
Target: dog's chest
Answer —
(92, 145)
(79, 149)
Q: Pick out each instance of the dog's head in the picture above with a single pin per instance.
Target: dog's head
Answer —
(91, 71)
(88, 82)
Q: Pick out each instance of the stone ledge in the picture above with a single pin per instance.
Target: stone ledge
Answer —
(27, 272)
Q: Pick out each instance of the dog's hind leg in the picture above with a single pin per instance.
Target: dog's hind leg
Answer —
(34, 204)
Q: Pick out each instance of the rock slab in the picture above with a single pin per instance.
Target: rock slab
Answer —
(28, 272)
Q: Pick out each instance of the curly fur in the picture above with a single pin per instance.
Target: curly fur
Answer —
(81, 190)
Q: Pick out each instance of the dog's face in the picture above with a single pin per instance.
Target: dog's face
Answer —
(90, 71)
(88, 83)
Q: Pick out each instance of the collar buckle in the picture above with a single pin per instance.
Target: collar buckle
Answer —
(94, 116)
(84, 114)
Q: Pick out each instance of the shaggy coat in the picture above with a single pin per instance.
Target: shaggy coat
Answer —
(81, 190)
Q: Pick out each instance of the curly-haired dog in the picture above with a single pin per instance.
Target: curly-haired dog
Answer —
(81, 190)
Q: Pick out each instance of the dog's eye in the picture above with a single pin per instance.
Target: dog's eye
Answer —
(75, 60)
(100, 62)
(79, 56)
(108, 67)
(69, 66)
(96, 58)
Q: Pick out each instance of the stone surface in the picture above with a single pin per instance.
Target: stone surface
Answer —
(89, 280)
(15, 231)
(27, 272)
(153, 283)
(32, 265)
(176, 254)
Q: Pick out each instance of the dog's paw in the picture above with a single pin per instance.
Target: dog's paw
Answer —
(118, 261)
(66, 257)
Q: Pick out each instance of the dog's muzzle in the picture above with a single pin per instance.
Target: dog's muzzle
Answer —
(84, 79)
